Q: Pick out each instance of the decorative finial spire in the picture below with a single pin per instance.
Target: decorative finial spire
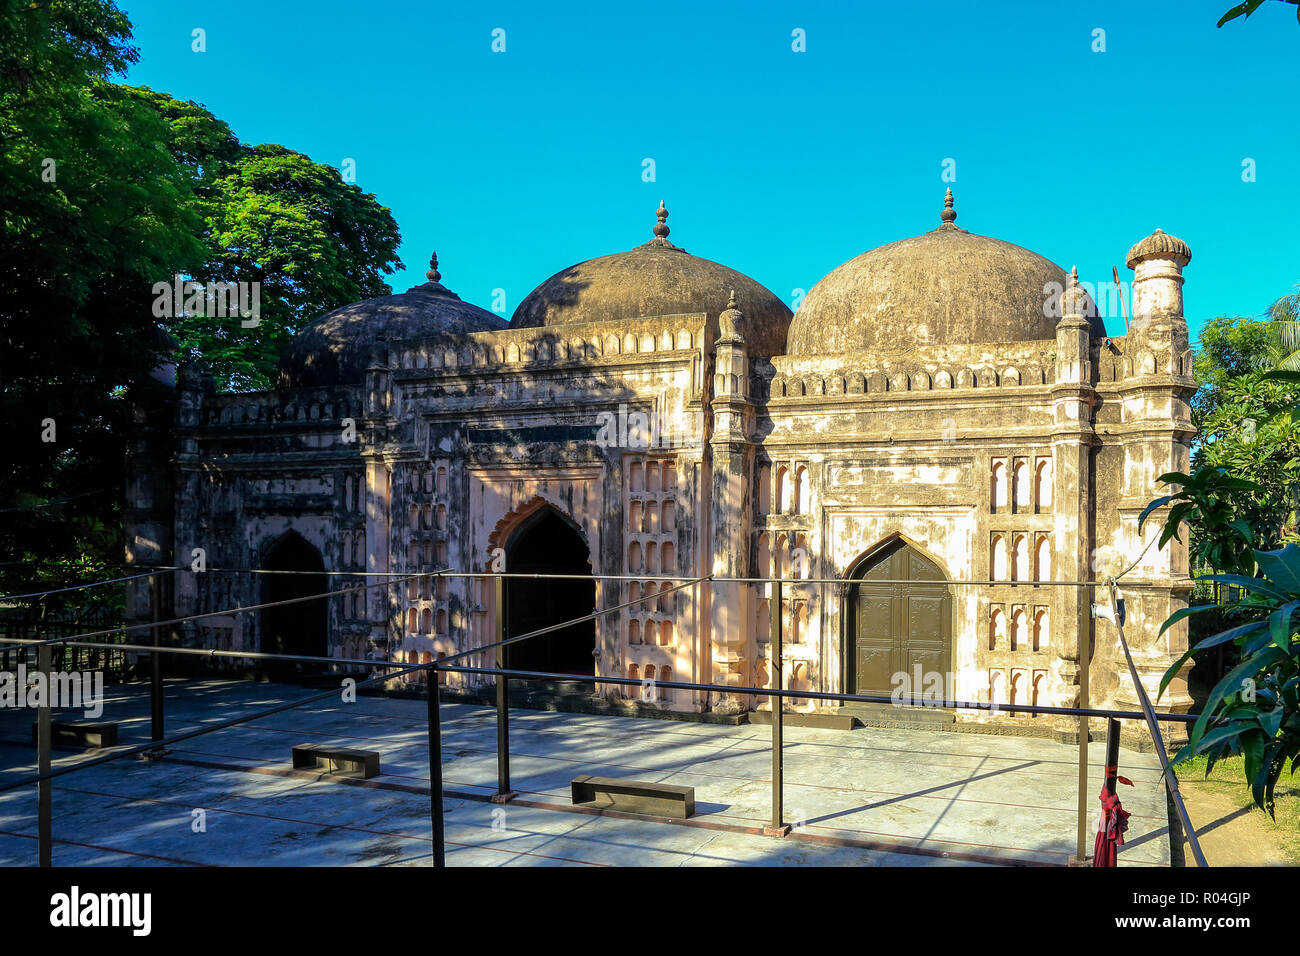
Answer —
(949, 215)
(661, 228)
(433, 275)
(1075, 303)
(729, 322)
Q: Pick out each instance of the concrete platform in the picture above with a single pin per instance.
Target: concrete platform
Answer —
(867, 797)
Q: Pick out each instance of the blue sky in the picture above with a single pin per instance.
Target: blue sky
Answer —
(779, 164)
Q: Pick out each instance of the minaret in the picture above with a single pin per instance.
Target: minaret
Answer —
(1157, 263)
(1155, 392)
(732, 454)
(374, 434)
(1073, 438)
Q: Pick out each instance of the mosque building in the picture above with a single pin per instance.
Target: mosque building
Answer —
(941, 410)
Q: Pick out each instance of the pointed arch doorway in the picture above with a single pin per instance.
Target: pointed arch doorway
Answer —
(301, 627)
(548, 543)
(899, 618)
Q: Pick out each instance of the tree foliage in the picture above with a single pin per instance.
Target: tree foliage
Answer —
(1230, 346)
(106, 190)
(1283, 346)
(1247, 456)
(1249, 540)
(1243, 495)
(271, 216)
(1254, 709)
(1248, 7)
(94, 209)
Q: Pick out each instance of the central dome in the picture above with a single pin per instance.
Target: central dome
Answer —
(947, 286)
(657, 278)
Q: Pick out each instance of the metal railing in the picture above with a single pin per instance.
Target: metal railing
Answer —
(434, 670)
(108, 656)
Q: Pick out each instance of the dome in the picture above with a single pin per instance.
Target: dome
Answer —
(1159, 245)
(334, 349)
(947, 286)
(657, 278)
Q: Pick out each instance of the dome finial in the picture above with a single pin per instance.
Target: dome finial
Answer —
(661, 227)
(949, 214)
(731, 300)
(433, 275)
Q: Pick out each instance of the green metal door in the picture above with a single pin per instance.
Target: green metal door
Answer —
(903, 620)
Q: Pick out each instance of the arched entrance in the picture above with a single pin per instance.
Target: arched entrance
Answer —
(899, 617)
(294, 628)
(546, 543)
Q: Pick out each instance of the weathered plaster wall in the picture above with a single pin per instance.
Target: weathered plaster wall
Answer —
(676, 455)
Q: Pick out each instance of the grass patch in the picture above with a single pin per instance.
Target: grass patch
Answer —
(1228, 779)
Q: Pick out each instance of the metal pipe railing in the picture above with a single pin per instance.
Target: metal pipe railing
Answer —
(778, 827)
(597, 576)
(1153, 727)
(777, 692)
(434, 721)
(121, 752)
(151, 625)
(734, 689)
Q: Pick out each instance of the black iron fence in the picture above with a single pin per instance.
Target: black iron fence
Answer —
(107, 656)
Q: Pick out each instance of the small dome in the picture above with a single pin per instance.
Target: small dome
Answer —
(1159, 245)
(657, 278)
(333, 350)
(947, 286)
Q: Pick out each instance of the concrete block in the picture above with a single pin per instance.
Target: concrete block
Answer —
(343, 761)
(634, 796)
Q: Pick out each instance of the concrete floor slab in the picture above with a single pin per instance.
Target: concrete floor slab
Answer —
(869, 797)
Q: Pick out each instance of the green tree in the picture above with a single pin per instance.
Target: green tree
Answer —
(106, 190)
(1254, 709)
(1230, 346)
(1254, 435)
(1284, 332)
(94, 211)
(1245, 431)
(272, 216)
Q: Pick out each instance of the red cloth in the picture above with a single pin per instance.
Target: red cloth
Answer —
(1114, 821)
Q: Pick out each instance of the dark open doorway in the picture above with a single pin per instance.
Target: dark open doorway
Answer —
(548, 544)
(294, 628)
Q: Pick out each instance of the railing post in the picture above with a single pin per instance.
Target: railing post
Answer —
(1081, 849)
(435, 766)
(779, 826)
(44, 741)
(504, 794)
(155, 666)
(1112, 754)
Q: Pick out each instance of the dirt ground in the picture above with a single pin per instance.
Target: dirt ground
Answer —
(1232, 831)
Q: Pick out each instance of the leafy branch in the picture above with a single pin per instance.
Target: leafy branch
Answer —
(1250, 6)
